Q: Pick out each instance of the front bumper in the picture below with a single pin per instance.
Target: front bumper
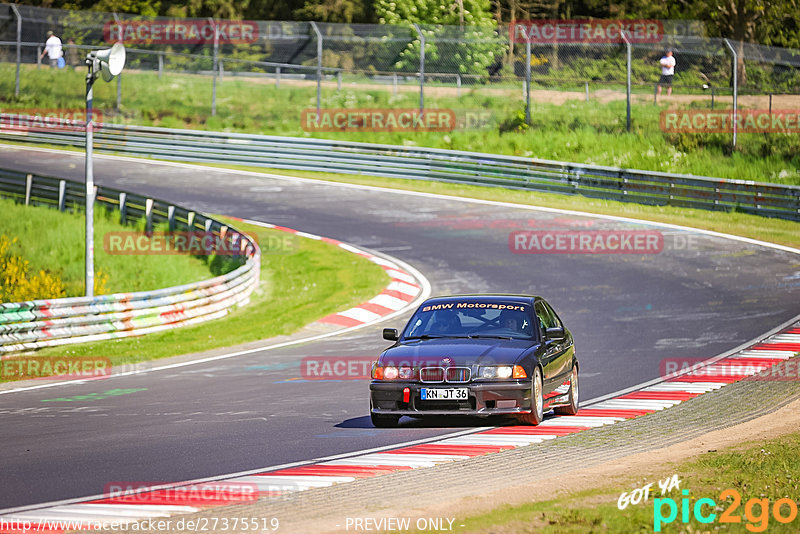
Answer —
(485, 398)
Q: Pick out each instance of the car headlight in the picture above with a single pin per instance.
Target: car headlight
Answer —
(502, 371)
(392, 372)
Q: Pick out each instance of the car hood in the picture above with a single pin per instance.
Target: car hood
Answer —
(459, 352)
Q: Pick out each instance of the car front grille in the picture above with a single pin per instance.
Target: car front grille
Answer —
(458, 374)
(431, 374)
(453, 406)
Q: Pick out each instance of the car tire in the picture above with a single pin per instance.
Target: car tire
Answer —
(537, 402)
(384, 421)
(574, 392)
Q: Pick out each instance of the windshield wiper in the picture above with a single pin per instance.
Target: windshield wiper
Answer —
(478, 336)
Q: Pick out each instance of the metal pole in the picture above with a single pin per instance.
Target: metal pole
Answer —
(119, 78)
(735, 87)
(421, 69)
(214, 68)
(586, 85)
(628, 81)
(19, 46)
(319, 65)
(770, 104)
(528, 82)
(278, 78)
(89, 175)
(160, 64)
(458, 85)
(712, 98)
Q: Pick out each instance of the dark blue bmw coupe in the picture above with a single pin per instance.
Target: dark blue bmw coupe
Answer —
(477, 355)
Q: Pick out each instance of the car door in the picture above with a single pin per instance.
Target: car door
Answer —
(564, 347)
(551, 356)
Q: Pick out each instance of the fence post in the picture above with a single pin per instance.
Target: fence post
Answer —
(160, 64)
(458, 85)
(735, 87)
(586, 84)
(221, 69)
(421, 69)
(38, 57)
(339, 80)
(528, 82)
(394, 83)
(319, 65)
(190, 220)
(712, 98)
(148, 214)
(770, 104)
(19, 46)
(628, 80)
(214, 68)
(171, 217)
(277, 77)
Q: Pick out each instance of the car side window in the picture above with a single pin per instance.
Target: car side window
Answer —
(543, 315)
(556, 322)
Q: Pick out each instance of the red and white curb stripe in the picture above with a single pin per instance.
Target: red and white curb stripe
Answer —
(403, 289)
(160, 503)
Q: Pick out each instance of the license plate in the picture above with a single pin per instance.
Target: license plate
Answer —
(444, 394)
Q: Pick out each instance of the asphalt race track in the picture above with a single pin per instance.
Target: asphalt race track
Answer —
(698, 297)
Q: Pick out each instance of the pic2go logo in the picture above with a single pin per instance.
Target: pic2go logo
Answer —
(756, 511)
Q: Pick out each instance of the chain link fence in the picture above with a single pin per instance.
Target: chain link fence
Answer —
(422, 66)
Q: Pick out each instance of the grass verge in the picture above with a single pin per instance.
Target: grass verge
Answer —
(742, 224)
(766, 472)
(54, 242)
(300, 282)
(562, 128)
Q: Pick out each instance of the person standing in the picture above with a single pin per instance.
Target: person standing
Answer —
(53, 49)
(71, 52)
(667, 72)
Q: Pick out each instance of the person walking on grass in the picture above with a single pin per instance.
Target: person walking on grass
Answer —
(667, 72)
(53, 49)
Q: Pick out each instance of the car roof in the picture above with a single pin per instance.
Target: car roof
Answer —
(493, 297)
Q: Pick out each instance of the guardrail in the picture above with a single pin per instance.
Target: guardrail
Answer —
(345, 157)
(46, 323)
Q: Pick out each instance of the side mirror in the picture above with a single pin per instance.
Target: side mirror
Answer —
(555, 333)
(390, 334)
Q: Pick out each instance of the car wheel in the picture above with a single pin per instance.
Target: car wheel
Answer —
(572, 407)
(384, 421)
(537, 403)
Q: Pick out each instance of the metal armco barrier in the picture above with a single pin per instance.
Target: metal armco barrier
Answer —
(47, 323)
(306, 154)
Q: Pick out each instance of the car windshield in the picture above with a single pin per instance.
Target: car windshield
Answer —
(471, 319)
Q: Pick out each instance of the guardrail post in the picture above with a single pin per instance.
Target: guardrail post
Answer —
(421, 69)
(339, 80)
(319, 64)
(190, 219)
(28, 186)
(148, 213)
(123, 208)
(171, 217)
(208, 224)
(160, 64)
(62, 195)
(19, 46)
(277, 77)
(735, 87)
(214, 68)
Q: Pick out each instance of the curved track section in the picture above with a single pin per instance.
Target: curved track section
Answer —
(699, 296)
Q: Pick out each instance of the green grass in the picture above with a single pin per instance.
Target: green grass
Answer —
(575, 131)
(54, 242)
(755, 470)
(766, 229)
(302, 282)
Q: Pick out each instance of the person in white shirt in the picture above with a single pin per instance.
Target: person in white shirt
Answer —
(667, 72)
(53, 49)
